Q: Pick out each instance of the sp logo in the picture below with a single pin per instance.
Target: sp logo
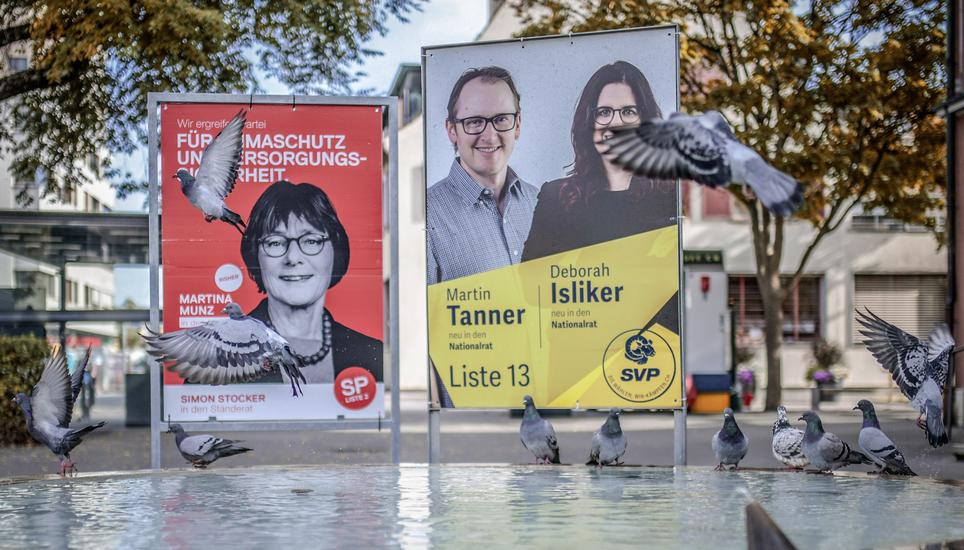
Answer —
(355, 388)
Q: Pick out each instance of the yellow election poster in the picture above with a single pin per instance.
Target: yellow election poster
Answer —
(551, 271)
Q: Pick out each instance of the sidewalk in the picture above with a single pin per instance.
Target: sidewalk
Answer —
(478, 437)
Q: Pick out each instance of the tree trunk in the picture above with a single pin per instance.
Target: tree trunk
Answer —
(773, 311)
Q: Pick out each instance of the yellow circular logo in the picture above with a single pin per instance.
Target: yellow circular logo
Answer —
(639, 365)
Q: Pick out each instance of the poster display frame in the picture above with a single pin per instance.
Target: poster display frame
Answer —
(389, 209)
(434, 405)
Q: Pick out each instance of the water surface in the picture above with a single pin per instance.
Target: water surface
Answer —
(454, 506)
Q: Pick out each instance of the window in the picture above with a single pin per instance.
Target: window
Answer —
(17, 63)
(915, 303)
(88, 296)
(716, 203)
(801, 309)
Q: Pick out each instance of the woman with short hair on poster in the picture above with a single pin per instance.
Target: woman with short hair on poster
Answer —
(599, 201)
(296, 249)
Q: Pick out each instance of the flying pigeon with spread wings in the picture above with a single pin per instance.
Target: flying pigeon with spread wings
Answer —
(217, 174)
(703, 149)
(919, 369)
(50, 406)
(226, 351)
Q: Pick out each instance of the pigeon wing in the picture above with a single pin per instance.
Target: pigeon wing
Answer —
(832, 449)
(779, 192)
(76, 382)
(50, 397)
(198, 445)
(218, 352)
(669, 149)
(903, 355)
(940, 344)
(219, 162)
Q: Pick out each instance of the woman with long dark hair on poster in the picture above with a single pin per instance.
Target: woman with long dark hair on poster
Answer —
(296, 249)
(600, 201)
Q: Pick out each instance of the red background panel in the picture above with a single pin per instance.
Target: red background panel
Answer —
(346, 164)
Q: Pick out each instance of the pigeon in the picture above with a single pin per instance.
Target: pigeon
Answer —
(50, 406)
(825, 450)
(201, 450)
(609, 442)
(703, 149)
(919, 369)
(786, 441)
(226, 351)
(877, 446)
(729, 444)
(216, 174)
(537, 434)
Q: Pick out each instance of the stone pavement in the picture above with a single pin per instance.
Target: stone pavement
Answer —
(479, 437)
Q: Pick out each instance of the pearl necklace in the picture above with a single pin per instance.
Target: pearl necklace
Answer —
(325, 341)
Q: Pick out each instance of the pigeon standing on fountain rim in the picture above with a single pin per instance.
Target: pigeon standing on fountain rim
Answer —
(203, 449)
(729, 444)
(609, 441)
(50, 406)
(787, 441)
(538, 435)
(877, 446)
(703, 149)
(216, 174)
(825, 451)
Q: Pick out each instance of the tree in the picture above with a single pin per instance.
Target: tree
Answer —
(93, 62)
(839, 93)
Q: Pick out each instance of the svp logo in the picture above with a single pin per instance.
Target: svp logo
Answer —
(639, 366)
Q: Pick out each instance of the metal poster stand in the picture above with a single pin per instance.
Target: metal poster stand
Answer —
(434, 406)
(394, 420)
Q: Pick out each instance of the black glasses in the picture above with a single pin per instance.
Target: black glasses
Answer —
(475, 125)
(310, 244)
(628, 115)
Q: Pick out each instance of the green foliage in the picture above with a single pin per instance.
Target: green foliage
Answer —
(21, 363)
(825, 356)
(94, 61)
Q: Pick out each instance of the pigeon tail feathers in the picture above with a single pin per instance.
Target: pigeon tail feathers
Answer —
(936, 435)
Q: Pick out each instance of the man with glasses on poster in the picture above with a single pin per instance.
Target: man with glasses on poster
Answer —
(478, 217)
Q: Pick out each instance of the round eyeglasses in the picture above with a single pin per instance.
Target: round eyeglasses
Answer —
(310, 244)
(475, 125)
(628, 115)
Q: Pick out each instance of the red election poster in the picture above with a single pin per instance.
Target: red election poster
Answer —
(308, 262)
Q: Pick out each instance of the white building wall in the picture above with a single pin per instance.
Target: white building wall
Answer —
(411, 252)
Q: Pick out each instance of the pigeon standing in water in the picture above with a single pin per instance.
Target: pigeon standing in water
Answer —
(216, 174)
(50, 406)
(825, 451)
(920, 370)
(787, 441)
(876, 445)
(537, 434)
(703, 149)
(201, 450)
(729, 444)
(225, 351)
(609, 442)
